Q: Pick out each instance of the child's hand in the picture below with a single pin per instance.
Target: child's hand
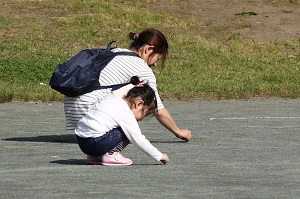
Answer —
(165, 158)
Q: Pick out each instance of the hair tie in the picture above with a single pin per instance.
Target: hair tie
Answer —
(135, 36)
(139, 85)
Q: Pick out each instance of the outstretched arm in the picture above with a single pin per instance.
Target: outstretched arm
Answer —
(164, 117)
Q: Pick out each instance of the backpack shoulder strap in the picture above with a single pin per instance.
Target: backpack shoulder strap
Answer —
(109, 48)
(127, 54)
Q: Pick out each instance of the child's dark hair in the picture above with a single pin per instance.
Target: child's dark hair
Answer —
(146, 93)
(151, 37)
(135, 80)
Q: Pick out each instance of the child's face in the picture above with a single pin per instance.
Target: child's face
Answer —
(140, 111)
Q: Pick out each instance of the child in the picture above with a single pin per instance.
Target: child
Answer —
(112, 124)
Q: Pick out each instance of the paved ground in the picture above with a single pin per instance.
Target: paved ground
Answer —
(240, 149)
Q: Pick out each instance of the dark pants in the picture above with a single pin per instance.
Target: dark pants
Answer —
(101, 145)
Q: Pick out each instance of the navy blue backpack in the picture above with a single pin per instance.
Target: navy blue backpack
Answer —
(80, 74)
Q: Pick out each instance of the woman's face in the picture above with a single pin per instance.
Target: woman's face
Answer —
(148, 56)
(152, 60)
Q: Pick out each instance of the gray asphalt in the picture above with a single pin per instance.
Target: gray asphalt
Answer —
(240, 149)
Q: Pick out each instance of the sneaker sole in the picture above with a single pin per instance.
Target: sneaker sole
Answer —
(116, 164)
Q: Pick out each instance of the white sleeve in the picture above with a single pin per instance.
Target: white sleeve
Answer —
(130, 127)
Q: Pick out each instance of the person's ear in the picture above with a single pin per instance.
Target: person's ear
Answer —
(146, 51)
(139, 103)
(149, 49)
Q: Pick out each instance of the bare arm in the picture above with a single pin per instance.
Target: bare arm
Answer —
(164, 117)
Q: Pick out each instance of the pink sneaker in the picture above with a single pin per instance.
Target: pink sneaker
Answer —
(115, 159)
(94, 160)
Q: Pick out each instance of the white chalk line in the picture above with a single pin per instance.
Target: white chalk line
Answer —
(247, 118)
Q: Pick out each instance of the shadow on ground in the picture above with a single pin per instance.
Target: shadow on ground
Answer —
(82, 162)
(69, 138)
(70, 162)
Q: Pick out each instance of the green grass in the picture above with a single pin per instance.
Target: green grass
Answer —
(37, 35)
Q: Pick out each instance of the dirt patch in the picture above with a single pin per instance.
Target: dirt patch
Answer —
(253, 19)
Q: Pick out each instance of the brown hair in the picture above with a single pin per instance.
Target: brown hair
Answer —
(151, 37)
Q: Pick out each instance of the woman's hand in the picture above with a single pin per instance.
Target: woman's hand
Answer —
(164, 159)
(184, 134)
(164, 117)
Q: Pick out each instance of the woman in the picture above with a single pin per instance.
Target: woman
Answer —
(152, 46)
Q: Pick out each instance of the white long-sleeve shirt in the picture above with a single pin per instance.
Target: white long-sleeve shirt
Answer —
(110, 113)
(118, 71)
